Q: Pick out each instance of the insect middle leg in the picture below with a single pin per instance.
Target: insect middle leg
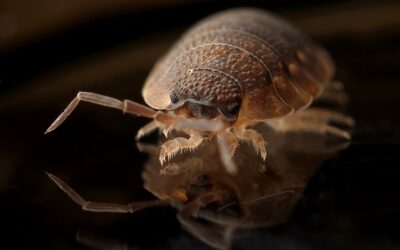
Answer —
(104, 207)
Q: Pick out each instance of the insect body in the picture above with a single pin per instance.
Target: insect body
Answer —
(230, 71)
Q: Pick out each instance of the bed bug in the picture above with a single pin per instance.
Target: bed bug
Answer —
(227, 73)
(212, 205)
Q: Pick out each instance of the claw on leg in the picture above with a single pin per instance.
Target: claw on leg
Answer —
(256, 139)
(172, 147)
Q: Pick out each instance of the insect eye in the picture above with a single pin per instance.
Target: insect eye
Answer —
(174, 98)
(233, 108)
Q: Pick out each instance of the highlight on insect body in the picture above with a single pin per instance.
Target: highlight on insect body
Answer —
(230, 71)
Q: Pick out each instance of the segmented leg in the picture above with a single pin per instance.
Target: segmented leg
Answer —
(256, 139)
(171, 147)
(326, 116)
(313, 120)
(126, 106)
(103, 207)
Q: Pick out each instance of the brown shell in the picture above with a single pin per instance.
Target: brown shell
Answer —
(246, 52)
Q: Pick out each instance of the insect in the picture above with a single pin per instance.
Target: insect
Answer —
(227, 73)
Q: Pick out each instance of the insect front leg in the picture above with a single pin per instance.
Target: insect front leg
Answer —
(171, 147)
(125, 106)
(104, 207)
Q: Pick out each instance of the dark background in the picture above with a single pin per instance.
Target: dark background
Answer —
(49, 50)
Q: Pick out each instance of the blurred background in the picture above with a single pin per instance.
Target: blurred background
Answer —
(49, 50)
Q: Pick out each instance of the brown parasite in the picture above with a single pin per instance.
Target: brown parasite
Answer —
(227, 73)
(214, 206)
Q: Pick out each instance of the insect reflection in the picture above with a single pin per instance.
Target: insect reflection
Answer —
(212, 204)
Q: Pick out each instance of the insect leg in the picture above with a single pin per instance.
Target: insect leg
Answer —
(103, 207)
(314, 121)
(126, 106)
(171, 147)
(326, 116)
(256, 139)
